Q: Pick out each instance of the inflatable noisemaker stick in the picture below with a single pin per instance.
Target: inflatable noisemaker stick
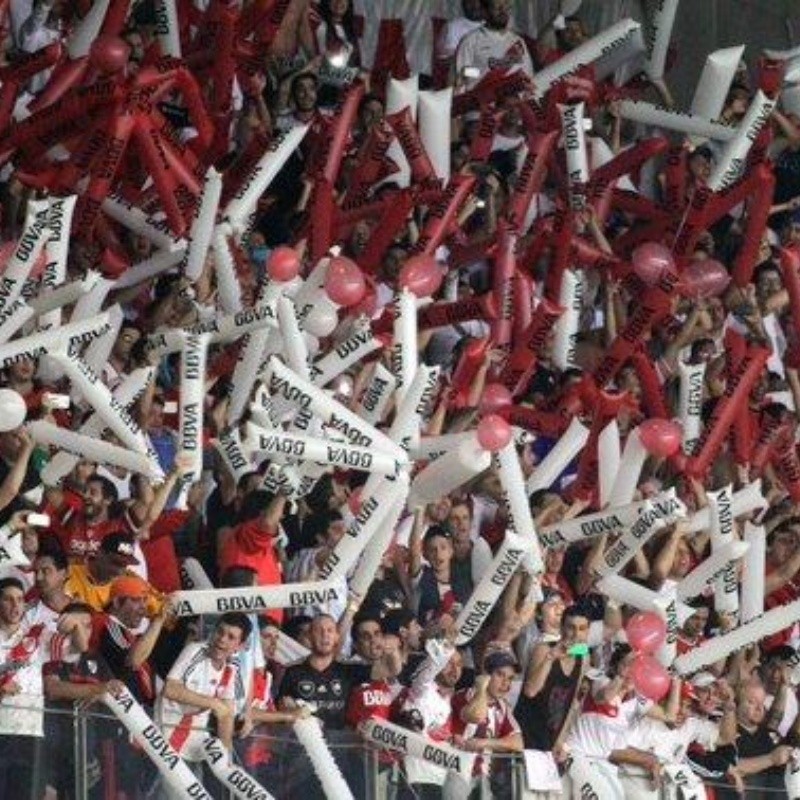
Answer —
(651, 521)
(737, 392)
(287, 384)
(87, 30)
(652, 393)
(577, 158)
(667, 608)
(229, 446)
(715, 566)
(757, 216)
(376, 398)
(515, 500)
(13, 318)
(612, 521)
(93, 449)
(630, 468)
(654, 307)
(294, 343)
(51, 300)
(790, 269)
(502, 326)
(731, 164)
(258, 599)
(202, 229)
(530, 180)
(726, 585)
(443, 214)
(394, 219)
(720, 647)
(131, 388)
(389, 736)
(288, 447)
(134, 219)
(521, 364)
(29, 246)
(628, 592)
(168, 28)
(192, 397)
(661, 23)
(402, 124)
(243, 203)
(606, 51)
(375, 550)
(230, 290)
(352, 350)
(715, 82)
(11, 553)
(753, 573)
(435, 110)
(176, 773)
(608, 451)
(573, 287)
(447, 473)
(690, 403)
(411, 410)
(559, 458)
(745, 502)
(98, 351)
(404, 354)
(382, 496)
(309, 734)
(675, 172)
(663, 118)
(153, 265)
(432, 447)
(236, 780)
(486, 594)
(59, 223)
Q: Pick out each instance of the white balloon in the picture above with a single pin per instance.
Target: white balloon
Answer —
(12, 410)
(321, 320)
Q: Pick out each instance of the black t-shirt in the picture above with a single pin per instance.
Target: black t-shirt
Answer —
(115, 643)
(764, 785)
(328, 690)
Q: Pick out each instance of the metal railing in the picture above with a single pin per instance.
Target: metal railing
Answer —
(89, 754)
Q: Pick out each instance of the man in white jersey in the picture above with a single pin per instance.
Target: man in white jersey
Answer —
(201, 682)
(492, 46)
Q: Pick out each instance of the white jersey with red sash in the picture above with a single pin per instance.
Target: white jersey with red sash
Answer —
(22, 655)
(185, 725)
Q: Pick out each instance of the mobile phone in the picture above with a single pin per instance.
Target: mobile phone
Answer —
(578, 650)
(472, 73)
(170, 407)
(38, 520)
(51, 400)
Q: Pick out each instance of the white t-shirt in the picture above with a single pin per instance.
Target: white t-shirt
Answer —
(671, 744)
(40, 612)
(21, 714)
(185, 725)
(487, 49)
(452, 34)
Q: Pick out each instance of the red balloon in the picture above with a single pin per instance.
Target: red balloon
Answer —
(646, 632)
(705, 278)
(494, 433)
(495, 396)
(649, 678)
(651, 260)
(421, 275)
(283, 264)
(661, 437)
(109, 54)
(345, 283)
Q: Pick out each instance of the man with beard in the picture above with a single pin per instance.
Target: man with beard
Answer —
(50, 569)
(493, 45)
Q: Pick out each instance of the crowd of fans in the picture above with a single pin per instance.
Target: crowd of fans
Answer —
(548, 674)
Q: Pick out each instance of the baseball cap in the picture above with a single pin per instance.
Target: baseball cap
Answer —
(129, 586)
(120, 547)
(498, 660)
(702, 680)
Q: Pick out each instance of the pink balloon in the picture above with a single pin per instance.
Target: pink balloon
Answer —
(344, 283)
(650, 260)
(421, 275)
(494, 433)
(661, 437)
(705, 278)
(283, 264)
(646, 632)
(495, 396)
(649, 678)
(109, 53)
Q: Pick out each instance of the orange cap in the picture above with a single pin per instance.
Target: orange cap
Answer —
(129, 586)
